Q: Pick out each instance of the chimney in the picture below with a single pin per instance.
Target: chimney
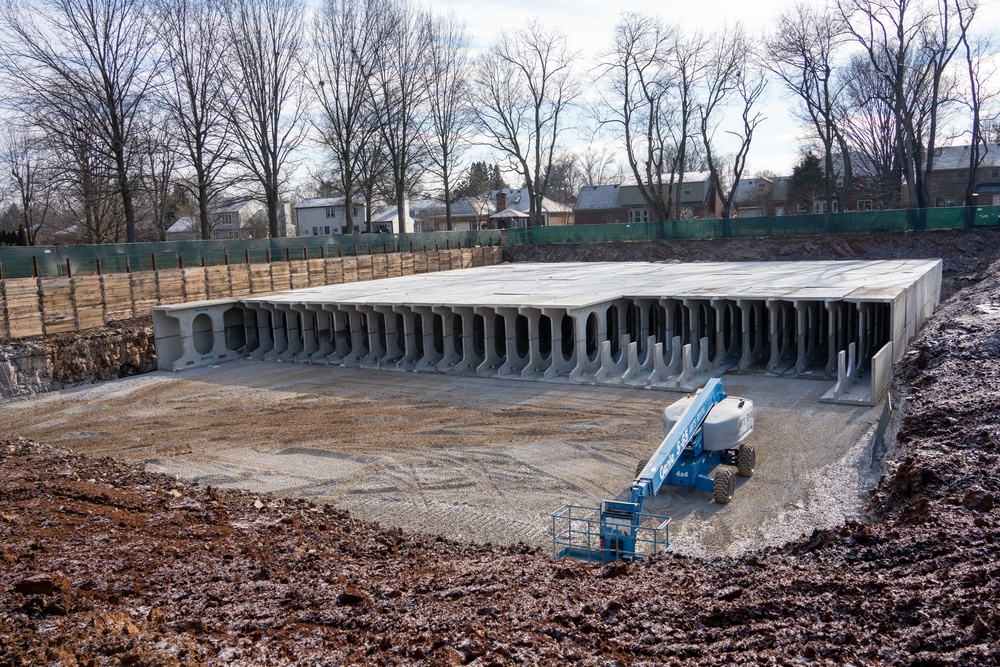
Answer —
(501, 200)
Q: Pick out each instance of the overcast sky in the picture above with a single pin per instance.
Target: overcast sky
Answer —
(589, 25)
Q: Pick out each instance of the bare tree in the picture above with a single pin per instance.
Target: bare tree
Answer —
(523, 86)
(598, 166)
(634, 103)
(729, 73)
(910, 44)
(265, 102)
(28, 172)
(338, 77)
(448, 95)
(688, 65)
(61, 54)
(869, 123)
(159, 158)
(802, 53)
(398, 88)
(192, 31)
(978, 94)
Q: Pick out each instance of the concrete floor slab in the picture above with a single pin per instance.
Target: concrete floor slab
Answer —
(473, 458)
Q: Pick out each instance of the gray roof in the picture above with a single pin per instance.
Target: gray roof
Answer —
(472, 206)
(517, 199)
(325, 202)
(597, 197)
(749, 190)
(957, 157)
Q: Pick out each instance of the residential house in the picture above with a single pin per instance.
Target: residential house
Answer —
(326, 216)
(184, 229)
(948, 181)
(762, 197)
(610, 204)
(467, 214)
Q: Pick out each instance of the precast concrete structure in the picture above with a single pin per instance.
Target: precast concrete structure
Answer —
(669, 326)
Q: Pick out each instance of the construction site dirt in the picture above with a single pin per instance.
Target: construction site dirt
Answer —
(105, 563)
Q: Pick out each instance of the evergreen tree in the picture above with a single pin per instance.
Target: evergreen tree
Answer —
(808, 182)
(478, 179)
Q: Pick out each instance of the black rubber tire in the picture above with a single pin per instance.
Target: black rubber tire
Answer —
(746, 461)
(725, 486)
(642, 464)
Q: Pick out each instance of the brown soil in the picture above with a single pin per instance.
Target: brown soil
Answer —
(105, 564)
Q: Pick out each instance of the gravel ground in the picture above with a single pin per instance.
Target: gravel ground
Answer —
(479, 459)
(105, 564)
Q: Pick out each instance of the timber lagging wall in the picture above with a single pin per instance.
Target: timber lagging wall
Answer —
(34, 306)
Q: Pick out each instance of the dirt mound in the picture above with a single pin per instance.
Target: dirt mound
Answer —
(106, 564)
(966, 253)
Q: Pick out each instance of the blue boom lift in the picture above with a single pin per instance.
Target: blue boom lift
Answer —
(703, 431)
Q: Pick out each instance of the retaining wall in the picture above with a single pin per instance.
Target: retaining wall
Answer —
(36, 306)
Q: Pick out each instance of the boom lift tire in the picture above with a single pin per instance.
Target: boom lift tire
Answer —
(746, 461)
(725, 486)
(642, 464)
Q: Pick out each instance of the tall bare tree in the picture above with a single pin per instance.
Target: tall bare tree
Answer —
(978, 94)
(524, 84)
(635, 104)
(910, 44)
(802, 52)
(27, 169)
(729, 73)
(158, 170)
(338, 77)
(265, 102)
(99, 54)
(448, 97)
(688, 64)
(398, 87)
(192, 31)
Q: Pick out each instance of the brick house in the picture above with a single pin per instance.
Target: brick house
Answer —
(949, 179)
(610, 204)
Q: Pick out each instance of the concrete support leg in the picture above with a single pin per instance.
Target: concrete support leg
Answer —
(341, 334)
(562, 339)
(515, 362)
(356, 326)
(590, 327)
(324, 334)
(393, 350)
(538, 361)
(472, 354)
(278, 332)
(613, 368)
(431, 356)
(411, 350)
(494, 349)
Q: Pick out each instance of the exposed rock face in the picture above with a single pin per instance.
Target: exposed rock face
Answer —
(45, 363)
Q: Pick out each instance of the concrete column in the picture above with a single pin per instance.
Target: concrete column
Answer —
(263, 326)
(492, 359)
(585, 365)
(393, 352)
(515, 363)
(471, 359)
(560, 366)
(340, 333)
(833, 335)
(803, 357)
(306, 340)
(324, 333)
(537, 364)
(356, 332)
(411, 352)
(452, 353)
(278, 332)
(431, 357)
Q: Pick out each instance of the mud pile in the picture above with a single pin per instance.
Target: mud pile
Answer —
(104, 564)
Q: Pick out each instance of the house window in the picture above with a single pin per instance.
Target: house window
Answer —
(958, 176)
(687, 189)
(638, 215)
(820, 206)
(331, 212)
(994, 173)
(864, 204)
(315, 231)
(354, 211)
(326, 230)
(801, 208)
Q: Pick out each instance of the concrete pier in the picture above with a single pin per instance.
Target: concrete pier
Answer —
(667, 326)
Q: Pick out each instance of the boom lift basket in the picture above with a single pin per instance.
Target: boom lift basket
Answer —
(576, 532)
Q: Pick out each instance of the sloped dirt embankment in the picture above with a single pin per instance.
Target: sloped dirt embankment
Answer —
(103, 564)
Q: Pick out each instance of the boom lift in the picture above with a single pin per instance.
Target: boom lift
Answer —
(703, 431)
